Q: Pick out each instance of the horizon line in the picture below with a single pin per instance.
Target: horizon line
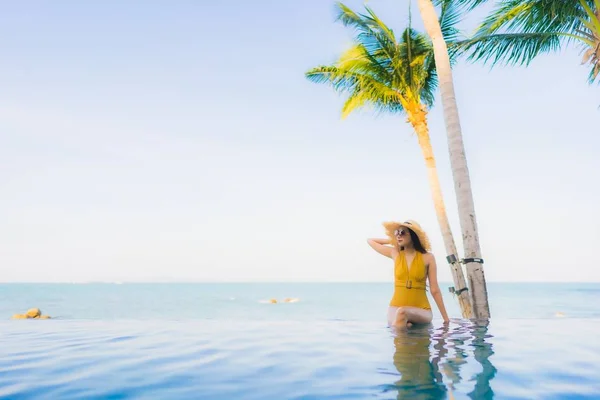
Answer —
(261, 282)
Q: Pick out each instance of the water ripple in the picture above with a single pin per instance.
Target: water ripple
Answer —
(297, 360)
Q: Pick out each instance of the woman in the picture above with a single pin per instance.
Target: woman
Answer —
(413, 265)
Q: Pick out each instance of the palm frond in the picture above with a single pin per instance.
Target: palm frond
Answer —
(586, 35)
(509, 48)
(367, 88)
(355, 101)
(533, 16)
(378, 25)
(329, 74)
(358, 59)
(374, 40)
(430, 85)
(450, 17)
(465, 4)
(359, 99)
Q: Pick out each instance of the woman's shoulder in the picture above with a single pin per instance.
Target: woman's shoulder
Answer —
(428, 257)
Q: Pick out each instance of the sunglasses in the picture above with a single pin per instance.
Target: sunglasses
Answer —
(400, 232)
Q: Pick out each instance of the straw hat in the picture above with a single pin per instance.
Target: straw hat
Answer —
(390, 227)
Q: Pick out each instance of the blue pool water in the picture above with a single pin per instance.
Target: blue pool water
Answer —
(219, 341)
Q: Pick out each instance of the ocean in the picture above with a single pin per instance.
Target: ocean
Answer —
(227, 341)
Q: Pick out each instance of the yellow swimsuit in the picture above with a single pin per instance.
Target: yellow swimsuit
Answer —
(409, 285)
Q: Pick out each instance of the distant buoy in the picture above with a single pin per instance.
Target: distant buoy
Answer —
(275, 301)
(291, 300)
(270, 301)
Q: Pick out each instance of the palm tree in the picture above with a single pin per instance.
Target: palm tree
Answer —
(517, 31)
(458, 161)
(396, 76)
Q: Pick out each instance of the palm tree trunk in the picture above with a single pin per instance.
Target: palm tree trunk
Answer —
(458, 161)
(417, 117)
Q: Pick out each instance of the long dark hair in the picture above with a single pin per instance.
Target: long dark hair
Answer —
(416, 242)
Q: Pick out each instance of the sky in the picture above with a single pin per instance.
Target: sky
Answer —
(180, 141)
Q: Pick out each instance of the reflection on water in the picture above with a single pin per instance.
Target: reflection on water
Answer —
(429, 360)
(482, 353)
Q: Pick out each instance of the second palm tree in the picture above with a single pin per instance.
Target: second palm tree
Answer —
(395, 76)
